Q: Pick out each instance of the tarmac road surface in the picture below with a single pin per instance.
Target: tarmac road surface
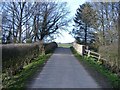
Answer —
(63, 70)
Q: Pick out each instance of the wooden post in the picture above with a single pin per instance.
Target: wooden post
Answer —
(88, 53)
(99, 57)
(87, 47)
(83, 50)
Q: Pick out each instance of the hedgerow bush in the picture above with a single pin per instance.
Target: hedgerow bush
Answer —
(15, 56)
(50, 47)
(110, 53)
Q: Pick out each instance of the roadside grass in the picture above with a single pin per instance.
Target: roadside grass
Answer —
(65, 45)
(0, 79)
(113, 78)
(18, 81)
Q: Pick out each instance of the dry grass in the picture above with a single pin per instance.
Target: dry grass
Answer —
(110, 53)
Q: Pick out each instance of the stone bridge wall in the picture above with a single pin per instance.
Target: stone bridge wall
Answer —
(79, 48)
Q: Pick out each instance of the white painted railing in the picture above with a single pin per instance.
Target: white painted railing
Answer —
(81, 49)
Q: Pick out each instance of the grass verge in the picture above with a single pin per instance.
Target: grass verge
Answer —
(65, 45)
(18, 81)
(113, 78)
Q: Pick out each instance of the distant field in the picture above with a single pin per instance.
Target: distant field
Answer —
(65, 45)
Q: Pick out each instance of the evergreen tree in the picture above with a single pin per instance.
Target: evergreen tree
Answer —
(85, 20)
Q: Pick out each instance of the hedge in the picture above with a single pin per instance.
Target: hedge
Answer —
(50, 47)
(15, 56)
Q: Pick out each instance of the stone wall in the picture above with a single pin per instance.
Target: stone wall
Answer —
(79, 48)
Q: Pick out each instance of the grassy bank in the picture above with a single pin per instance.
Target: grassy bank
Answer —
(112, 77)
(19, 80)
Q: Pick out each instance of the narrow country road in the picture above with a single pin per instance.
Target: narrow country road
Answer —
(62, 70)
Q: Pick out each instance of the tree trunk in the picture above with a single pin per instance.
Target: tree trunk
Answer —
(20, 31)
(119, 39)
(14, 41)
(42, 48)
(103, 24)
(85, 34)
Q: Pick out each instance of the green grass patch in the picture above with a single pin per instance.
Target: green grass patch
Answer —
(19, 80)
(65, 45)
(112, 77)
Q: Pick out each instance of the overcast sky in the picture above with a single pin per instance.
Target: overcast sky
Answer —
(73, 5)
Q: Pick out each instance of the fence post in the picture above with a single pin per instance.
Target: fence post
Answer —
(83, 50)
(99, 58)
(88, 53)
(87, 47)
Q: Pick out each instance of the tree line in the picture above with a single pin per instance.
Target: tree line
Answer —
(32, 21)
(97, 22)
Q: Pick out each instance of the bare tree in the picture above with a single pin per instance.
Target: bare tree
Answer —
(119, 38)
(49, 18)
(34, 21)
(17, 17)
(107, 21)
